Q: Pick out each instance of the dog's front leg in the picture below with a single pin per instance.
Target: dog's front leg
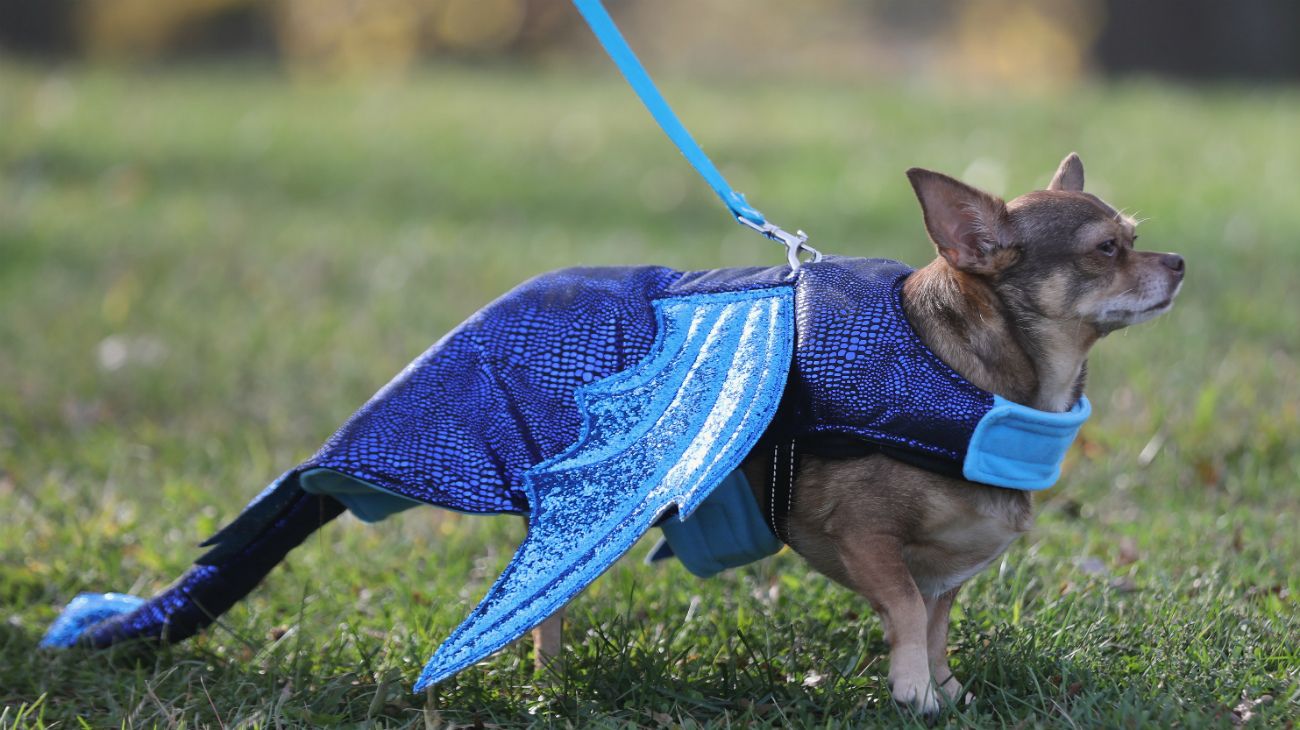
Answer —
(939, 610)
(876, 569)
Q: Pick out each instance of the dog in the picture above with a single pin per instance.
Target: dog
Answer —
(1016, 298)
(1018, 295)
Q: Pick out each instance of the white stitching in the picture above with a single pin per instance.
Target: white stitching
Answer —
(771, 492)
(789, 492)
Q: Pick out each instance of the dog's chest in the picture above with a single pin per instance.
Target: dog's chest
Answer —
(961, 538)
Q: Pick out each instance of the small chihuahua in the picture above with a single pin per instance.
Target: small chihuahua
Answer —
(1018, 295)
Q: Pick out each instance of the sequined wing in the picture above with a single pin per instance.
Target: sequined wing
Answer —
(665, 432)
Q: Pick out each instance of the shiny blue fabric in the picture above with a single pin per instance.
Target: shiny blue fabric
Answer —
(664, 432)
(459, 426)
(84, 611)
(496, 396)
(727, 531)
(862, 371)
(481, 421)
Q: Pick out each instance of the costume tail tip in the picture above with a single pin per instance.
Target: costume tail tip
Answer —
(83, 612)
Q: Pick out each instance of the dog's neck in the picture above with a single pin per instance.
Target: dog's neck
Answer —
(994, 343)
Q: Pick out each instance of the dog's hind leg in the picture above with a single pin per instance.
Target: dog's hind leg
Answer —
(278, 521)
(548, 638)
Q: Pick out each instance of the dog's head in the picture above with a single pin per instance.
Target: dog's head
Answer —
(1055, 255)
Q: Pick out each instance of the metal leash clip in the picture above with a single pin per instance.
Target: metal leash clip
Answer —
(794, 242)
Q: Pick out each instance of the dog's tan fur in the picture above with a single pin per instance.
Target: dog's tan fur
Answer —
(1018, 295)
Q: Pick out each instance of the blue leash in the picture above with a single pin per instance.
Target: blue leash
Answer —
(609, 36)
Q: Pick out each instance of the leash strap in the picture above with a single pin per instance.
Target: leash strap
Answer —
(616, 46)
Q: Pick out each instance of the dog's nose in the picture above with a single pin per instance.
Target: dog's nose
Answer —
(1172, 261)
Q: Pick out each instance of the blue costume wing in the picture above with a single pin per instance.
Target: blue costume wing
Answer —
(664, 432)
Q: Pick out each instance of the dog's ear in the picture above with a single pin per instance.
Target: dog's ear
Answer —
(968, 226)
(1069, 176)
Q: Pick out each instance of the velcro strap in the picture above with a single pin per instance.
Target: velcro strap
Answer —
(1018, 447)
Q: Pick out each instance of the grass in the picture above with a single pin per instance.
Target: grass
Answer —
(203, 271)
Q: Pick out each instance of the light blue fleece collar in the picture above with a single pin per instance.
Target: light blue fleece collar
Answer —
(1019, 447)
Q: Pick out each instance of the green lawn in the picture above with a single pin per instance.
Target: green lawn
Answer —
(204, 271)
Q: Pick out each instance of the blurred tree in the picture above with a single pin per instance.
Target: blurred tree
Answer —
(41, 28)
(320, 36)
(1202, 39)
(349, 36)
(1021, 43)
(125, 29)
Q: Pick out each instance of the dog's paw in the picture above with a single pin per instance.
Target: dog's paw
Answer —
(950, 690)
(915, 693)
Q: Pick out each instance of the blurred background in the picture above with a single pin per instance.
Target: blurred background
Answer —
(1020, 42)
(224, 224)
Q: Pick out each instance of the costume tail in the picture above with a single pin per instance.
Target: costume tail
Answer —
(242, 553)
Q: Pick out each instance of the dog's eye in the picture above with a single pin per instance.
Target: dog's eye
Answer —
(1108, 247)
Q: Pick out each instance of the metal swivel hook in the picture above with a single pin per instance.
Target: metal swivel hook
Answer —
(794, 243)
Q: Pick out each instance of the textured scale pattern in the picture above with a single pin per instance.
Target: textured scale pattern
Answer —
(84, 611)
(664, 432)
(459, 425)
(862, 371)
